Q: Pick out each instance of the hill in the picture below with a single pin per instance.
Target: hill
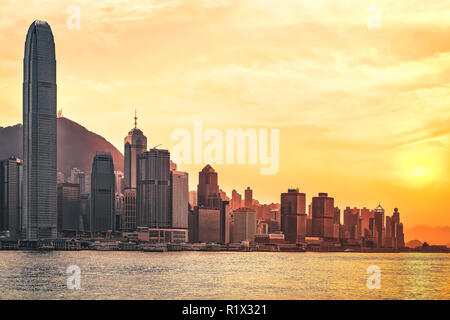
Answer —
(77, 146)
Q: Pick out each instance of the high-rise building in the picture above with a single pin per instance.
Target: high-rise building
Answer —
(244, 225)
(208, 188)
(322, 216)
(379, 225)
(135, 144)
(293, 215)
(180, 199)
(211, 224)
(11, 196)
(39, 133)
(102, 194)
(85, 212)
(236, 200)
(69, 209)
(248, 198)
(153, 189)
(129, 219)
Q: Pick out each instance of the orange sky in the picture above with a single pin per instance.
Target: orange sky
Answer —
(363, 114)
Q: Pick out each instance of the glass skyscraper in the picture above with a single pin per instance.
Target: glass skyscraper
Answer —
(103, 184)
(39, 133)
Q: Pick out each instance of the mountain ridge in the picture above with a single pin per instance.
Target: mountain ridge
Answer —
(77, 146)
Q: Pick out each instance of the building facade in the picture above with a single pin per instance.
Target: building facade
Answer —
(69, 209)
(293, 215)
(11, 172)
(102, 194)
(39, 133)
(153, 189)
(323, 216)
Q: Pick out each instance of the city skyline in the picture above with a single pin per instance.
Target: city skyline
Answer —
(387, 155)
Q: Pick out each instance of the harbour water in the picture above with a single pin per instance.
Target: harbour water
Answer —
(223, 275)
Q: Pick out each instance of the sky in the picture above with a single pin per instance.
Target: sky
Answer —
(361, 99)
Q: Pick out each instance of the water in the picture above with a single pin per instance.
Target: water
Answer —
(223, 275)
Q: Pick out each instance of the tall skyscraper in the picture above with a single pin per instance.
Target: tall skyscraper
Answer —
(293, 215)
(236, 200)
(135, 144)
(379, 224)
(11, 196)
(39, 133)
(102, 194)
(322, 216)
(180, 199)
(153, 189)
(208, 188)
(248, 198)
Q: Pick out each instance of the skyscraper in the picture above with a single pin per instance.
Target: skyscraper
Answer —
(236, 200)
(322, 216)
(102, 194)
(379, 221)
(248, 197)
(135, 144)
(244, 225)
(11, 196)
(180, 199)
(293, 215)
(153, 189)
(39, 133)
(208, 188)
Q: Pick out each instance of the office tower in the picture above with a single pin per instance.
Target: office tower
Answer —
(102, 194)
(11, 171)
(180, 199)
(236, 200)
(225, 211)
(379, 218)
(135, 144)
(129, 220)
(322, 216)
(400, 237)
(153, 189)
(208, 225)
(293, 215)
(208, 188)
(244, 225)
(120, 182)
(85, 212)
(248, 197)
(366, 215)
(193, 198)
(337, 216)
(68, 209)
(388, 243)
(193, 224)
(351, 218)
(39, 133)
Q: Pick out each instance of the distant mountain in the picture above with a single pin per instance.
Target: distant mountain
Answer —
(413, 244)
(431, 235)
(77, 146)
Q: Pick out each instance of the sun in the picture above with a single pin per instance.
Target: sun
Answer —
(418, 169)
